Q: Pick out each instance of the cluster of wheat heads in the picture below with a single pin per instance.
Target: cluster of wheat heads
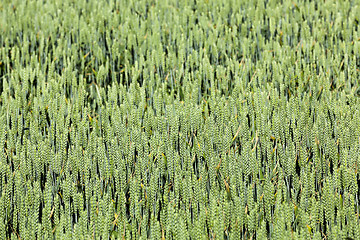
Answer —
(179, 119)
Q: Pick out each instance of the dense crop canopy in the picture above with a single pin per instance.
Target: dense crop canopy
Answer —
(179, 119)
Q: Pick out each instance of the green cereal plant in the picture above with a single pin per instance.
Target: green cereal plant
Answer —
(179, 119)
